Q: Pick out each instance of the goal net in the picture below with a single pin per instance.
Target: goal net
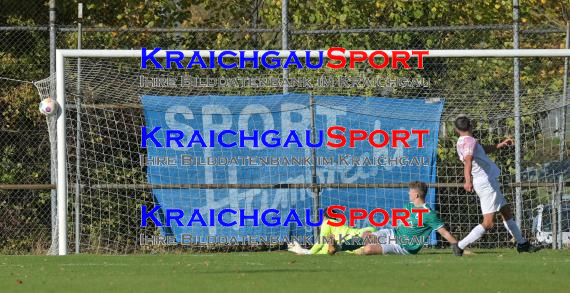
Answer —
(112, 179)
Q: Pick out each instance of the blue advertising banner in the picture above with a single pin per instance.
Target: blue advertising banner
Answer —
(208, 162)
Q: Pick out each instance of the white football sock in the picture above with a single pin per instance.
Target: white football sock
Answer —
(473, 236)
(514, 230)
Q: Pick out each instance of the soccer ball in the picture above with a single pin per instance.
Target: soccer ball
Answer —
(48, 106)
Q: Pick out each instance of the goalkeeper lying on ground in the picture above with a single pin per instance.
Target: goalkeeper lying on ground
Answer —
(321, 246)
(390, 241)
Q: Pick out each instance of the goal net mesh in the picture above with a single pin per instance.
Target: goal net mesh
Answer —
(112, 106)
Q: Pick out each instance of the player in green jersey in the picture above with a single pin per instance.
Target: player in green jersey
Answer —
(404, 240)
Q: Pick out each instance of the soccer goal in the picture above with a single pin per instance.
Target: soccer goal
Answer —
(112, 169)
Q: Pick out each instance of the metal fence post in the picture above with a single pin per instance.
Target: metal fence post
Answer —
(285, 39)
(563, 101)
(315, 190)
(517, 110)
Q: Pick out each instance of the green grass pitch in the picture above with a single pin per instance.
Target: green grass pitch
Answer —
(430, 271)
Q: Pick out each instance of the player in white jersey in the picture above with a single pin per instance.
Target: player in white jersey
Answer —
(481, 174)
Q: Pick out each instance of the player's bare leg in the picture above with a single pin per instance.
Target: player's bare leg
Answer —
(367, 237)
(488, 221)
(372, 247)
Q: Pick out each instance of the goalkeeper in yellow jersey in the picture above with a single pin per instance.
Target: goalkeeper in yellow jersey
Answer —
(329, 232)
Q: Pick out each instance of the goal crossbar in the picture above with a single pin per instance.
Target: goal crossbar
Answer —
(474, 53)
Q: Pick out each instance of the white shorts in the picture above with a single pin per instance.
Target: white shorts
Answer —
(490, 195)
(388, 243)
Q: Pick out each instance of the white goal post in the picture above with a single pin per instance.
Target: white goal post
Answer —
(63, 54)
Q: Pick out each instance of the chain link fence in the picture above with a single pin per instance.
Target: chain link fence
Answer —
(25, 199)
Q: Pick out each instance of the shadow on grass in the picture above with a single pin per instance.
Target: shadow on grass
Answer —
(467, 252)
(475, 252)
(263, 271)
